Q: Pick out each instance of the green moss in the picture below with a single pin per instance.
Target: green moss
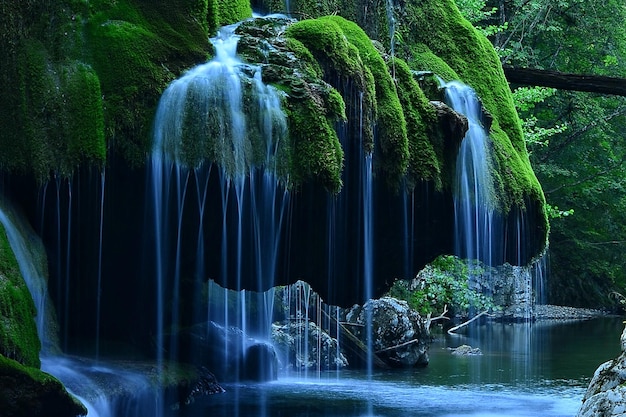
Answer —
(423, 59)
(421, 119)
(83, 115)
(137, 50)
(341, 63)
(391, 125)
(232, 11)
(317, 154)
(18, 332)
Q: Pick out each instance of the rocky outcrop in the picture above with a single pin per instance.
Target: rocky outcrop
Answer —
(399, 335)
(606, 394)
(304, 345)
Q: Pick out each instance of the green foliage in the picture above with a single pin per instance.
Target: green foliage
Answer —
(526, 98)
(18, 333)
(444, 282)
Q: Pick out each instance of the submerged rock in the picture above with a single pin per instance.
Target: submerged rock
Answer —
(606, 394)
(466, 350)
(400, 336)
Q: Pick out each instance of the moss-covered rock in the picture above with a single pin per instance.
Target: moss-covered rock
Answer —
(425, 145)
(26, 391)
(18, 332)
(232, 11)
(439, 35)
(82, 77)
(390, 122)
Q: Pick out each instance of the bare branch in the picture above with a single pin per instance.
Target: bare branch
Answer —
(455, 328)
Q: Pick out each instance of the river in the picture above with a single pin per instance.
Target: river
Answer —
(526, 370)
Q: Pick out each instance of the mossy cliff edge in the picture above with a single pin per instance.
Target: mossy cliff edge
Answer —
(433, 36)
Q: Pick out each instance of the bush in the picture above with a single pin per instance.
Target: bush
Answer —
(444, 282)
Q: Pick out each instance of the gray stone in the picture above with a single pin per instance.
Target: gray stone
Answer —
(606, 394)
(400, 336)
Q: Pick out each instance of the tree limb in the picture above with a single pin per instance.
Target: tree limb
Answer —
(455, 328)
(566, 81)
(398, 346)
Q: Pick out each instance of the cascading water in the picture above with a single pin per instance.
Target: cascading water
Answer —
(221, 111)
(90, 383)
(473, 187)
(481, 232)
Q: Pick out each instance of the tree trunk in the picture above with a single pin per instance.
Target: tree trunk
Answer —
(563, 81)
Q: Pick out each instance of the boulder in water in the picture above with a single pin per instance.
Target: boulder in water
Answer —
(466, 350)
(606, 394)
(400, 336)
(260, 363)
(304, 345)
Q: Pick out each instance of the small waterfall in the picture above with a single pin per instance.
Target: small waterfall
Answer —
(222, 112)
(99, 285)
(473, 187)
(481, 232)
(30, 256)
(91, 384)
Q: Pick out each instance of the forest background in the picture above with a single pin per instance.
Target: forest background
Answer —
(575, 139)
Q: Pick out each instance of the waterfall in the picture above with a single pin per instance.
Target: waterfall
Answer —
(219, 128)
(482, 233)
(473, 187)
(30, 256)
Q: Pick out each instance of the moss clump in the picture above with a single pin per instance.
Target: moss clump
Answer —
(18, 332)
(232, 11)
(391, 125)
(317, 153)
(421, 121)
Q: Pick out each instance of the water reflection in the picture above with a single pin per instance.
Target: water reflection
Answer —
(525, 370)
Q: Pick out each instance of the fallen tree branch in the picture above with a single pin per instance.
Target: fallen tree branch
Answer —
(398, 346)
(442, 316)
(455, 328)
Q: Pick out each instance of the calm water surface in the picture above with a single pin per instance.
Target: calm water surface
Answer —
(525, 370)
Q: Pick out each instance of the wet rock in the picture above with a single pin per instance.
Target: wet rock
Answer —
(606, 394)
(466, 350)
(216, 347)
(260, 363)
(400, 337)
(303, 345)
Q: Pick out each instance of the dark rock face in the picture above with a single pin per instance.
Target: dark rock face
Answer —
(400, 337)
(22, 394)
(606, 394)
(214, 347)
(260, 363)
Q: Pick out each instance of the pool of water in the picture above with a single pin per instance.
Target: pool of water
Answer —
(541, 369)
